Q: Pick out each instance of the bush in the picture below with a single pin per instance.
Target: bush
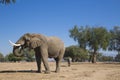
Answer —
(12, 58)
(76, 53)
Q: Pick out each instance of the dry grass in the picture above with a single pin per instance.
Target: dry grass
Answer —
(78, 71)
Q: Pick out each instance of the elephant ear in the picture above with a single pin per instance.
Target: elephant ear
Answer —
(35, 42)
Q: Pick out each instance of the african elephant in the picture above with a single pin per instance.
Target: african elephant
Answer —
(44, 47)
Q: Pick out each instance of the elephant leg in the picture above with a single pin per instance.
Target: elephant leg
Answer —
(38, 59)
(44, 55)
(57, 64)
(45, 62)
(58, 60)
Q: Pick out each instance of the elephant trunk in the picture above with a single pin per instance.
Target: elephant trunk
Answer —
(17, 51)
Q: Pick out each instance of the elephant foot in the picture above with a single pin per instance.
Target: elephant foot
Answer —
(69, 65)
(57, 71)
(39, 71)
(47, 72)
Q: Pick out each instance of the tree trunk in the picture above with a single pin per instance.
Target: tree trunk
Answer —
(94, 57)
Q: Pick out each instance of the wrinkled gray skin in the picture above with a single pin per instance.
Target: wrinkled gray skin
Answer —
(44, 47)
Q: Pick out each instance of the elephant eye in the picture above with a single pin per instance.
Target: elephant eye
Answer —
(27, 39)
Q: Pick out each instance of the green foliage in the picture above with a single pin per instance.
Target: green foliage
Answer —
(76, 53)
(7, 1)
(93, 37)
(99, 38)
(29, 55)
(115, 39)
(74, 33)
(82, 35)
(1, 57)
(12, 57)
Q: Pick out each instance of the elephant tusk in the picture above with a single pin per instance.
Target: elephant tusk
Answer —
(13, 44)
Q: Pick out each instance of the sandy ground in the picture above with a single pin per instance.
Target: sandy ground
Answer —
(77, 71)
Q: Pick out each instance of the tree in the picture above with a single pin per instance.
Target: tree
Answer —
(1, 57)
(76, 53)
(81, 35)
(7, 1)
(99, 39)
(98, 57)
(12, 57)
(115, 39)
(93, 37)
(29, 55)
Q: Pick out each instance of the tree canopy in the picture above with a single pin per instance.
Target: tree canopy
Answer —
(7, 1)
(115, 39)
(94, 38)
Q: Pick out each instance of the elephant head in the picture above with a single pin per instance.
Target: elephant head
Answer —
(28, 40)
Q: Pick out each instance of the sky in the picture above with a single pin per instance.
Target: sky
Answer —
(54, 18)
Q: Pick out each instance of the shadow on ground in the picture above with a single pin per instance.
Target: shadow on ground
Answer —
(20, 71)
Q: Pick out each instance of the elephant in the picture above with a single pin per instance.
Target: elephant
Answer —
(44, 47)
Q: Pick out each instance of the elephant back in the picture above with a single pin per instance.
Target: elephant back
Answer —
(55, 41)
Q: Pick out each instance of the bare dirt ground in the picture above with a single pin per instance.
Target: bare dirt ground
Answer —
(77, 71)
